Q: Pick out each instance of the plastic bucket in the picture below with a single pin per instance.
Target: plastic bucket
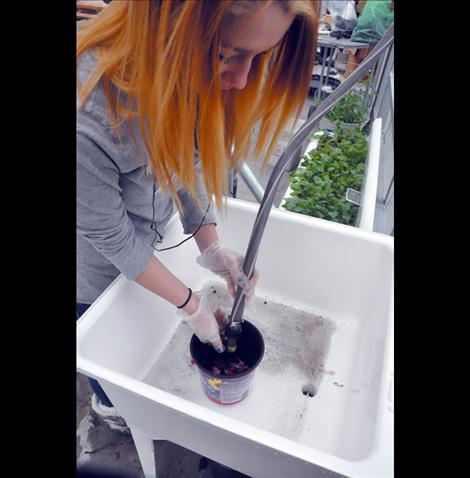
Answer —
(222, 389)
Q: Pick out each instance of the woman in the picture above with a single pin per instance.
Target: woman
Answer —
(169, 93)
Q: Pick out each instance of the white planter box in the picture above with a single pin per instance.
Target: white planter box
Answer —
(366, 212)
(339, 272)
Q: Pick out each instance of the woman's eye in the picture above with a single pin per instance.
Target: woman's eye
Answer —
(231, 59)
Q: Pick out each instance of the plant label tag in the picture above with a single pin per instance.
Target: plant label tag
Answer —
(353, 196)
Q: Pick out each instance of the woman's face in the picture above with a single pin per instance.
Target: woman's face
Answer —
(244, 37)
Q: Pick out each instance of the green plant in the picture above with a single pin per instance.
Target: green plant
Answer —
(319, 184)
(349, 109)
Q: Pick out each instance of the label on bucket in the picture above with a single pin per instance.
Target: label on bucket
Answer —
(226, 392)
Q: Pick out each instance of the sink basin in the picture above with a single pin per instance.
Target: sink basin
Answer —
(322, 397)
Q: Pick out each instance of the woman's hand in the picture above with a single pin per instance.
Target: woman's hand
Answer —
(228, 264)
(206, 325)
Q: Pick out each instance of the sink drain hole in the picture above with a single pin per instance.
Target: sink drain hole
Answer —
(309, 390)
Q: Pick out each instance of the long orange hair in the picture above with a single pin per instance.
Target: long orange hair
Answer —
(158, 62)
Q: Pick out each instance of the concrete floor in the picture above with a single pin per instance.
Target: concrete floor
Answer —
(103, 452)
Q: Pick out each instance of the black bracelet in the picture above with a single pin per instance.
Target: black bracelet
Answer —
(187, 300)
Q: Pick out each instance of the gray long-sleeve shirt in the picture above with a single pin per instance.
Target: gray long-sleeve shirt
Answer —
(115, 192)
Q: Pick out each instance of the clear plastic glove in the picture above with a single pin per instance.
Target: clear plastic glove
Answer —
(228, 264)
(205, 324)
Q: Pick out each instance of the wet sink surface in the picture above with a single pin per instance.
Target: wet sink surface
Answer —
(293, 368)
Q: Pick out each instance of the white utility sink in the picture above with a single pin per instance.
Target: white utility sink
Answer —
(327, 293)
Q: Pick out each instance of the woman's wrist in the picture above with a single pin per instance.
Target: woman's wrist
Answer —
(206, 236)
(192, 305)
(158, 279)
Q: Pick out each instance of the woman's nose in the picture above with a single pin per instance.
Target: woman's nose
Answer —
(237, 75)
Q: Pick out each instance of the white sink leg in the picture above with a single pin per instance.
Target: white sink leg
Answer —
(146, 451)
